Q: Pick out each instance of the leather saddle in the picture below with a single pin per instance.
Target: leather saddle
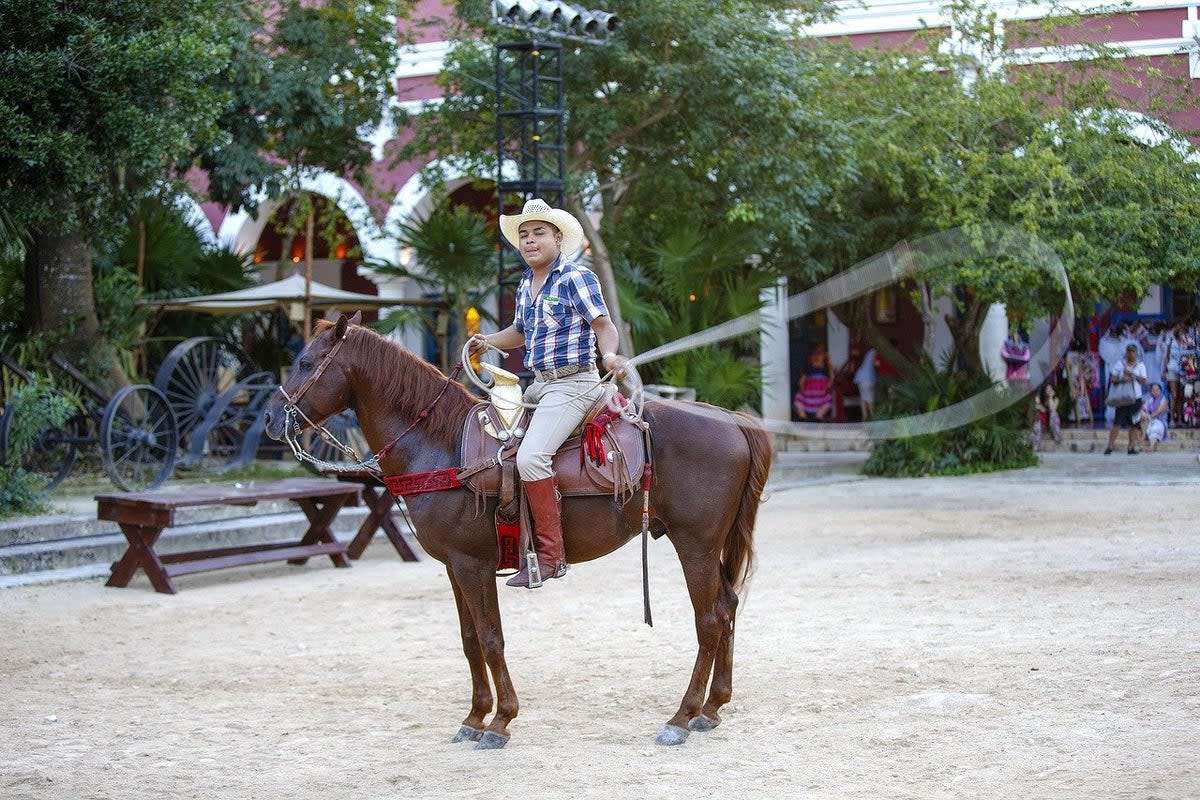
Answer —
(492, 432)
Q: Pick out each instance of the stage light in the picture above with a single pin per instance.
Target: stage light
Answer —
(555, 18)
(607, 22)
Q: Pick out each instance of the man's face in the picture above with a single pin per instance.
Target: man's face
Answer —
(540, 242)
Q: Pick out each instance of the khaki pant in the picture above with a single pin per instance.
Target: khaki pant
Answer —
(562, 405)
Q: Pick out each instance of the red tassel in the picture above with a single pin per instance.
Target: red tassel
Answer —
(593, 438)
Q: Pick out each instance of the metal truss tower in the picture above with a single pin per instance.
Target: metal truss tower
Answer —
(530, 133)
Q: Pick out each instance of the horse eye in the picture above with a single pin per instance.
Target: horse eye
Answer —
(305, 364)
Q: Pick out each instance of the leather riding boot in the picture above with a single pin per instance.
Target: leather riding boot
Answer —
(547, 532)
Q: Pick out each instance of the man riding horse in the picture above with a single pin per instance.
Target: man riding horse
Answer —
(560, 319)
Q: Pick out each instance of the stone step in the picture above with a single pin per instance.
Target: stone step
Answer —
(79, 549)
(52, 527)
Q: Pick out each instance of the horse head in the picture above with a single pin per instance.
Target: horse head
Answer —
(317, 386)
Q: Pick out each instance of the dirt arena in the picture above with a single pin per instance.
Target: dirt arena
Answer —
(936, 638)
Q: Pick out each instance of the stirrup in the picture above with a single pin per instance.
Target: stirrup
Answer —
(535, 570)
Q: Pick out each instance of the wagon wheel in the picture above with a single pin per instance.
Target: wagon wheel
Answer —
(195, 374)
(344, 427)
(229, 434)
(139, 439)
(53, 452)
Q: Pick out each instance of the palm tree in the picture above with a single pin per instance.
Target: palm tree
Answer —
(454, 256)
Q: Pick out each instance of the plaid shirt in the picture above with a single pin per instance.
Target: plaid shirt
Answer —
(557, 325)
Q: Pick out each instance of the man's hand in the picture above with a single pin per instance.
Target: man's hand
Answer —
(478, 344)
(614, 363)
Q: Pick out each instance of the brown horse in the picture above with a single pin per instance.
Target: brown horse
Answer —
(710, 466)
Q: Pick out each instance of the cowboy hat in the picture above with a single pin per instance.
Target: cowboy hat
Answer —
(538, 209)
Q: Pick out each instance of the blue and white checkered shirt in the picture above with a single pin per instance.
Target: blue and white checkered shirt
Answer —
(557, 324)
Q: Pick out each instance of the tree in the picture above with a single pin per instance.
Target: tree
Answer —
(456, 256)
(686, 284)
(96, 96)
(305, 81)
(107, 102)
(695, 113)
(959, 137)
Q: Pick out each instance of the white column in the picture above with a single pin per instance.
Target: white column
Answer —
(774, 353)
(943, 340)
(837, 339)
(991, 336)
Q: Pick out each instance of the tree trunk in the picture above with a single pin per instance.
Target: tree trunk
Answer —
(602, 266)
(965, 331)
(59, 300)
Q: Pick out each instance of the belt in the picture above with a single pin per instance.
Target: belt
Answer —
(542, 376)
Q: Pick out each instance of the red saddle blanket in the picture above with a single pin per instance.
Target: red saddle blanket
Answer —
(621, 443)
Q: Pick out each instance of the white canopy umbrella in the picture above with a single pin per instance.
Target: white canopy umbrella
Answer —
(288, 294)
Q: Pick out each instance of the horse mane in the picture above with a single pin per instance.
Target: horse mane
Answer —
(409, 384)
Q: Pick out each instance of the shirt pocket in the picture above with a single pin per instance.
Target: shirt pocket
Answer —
(555, 314)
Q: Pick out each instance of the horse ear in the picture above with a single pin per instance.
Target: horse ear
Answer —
(339, 327)
(356, 319)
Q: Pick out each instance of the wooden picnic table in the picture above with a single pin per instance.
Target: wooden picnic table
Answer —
(143, 516)
(380, 506)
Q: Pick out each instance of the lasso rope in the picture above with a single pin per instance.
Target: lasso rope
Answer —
(632, 411)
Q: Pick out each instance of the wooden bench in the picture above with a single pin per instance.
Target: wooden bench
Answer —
(143, 516)
(380, 506)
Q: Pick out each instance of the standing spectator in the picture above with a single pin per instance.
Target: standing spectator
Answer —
(1148, 337)
(1127, 378)
(864, 378)
(814, 391)
(1016, 355)
(1045, 405)
(1080, 378)
(1174, 343)
(1111, 348)
(1155, 413)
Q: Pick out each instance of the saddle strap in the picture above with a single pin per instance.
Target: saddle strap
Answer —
(440, 480)
(419, 482)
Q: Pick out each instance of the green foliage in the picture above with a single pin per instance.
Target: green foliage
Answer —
(950, 137)
(695, 112)
(454, 254)
(177, 263)
(1000, 441)
(84, 96)
(453, 247)
(720, 377)
(304, 80)
(691, 280)
(103, 100)
(34, 407)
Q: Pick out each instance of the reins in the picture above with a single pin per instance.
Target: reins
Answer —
(632, 412)
(291, 427)
(439, 479)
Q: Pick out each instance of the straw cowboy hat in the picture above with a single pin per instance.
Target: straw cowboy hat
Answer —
(572, 231)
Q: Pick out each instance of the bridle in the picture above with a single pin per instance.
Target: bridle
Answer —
(291, 425)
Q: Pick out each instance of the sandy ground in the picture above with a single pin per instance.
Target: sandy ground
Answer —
(931, 638)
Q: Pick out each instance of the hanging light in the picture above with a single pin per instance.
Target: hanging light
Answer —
(556, 18)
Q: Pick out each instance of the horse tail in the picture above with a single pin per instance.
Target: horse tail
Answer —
(737, 559)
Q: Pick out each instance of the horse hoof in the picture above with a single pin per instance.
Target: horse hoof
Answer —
(467, 734)
(703, 723)
(671, 735)
(491, 741)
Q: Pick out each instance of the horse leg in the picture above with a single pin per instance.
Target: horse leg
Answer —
(476, 582)
(703, 577)
(721, 689)
(481, 689)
